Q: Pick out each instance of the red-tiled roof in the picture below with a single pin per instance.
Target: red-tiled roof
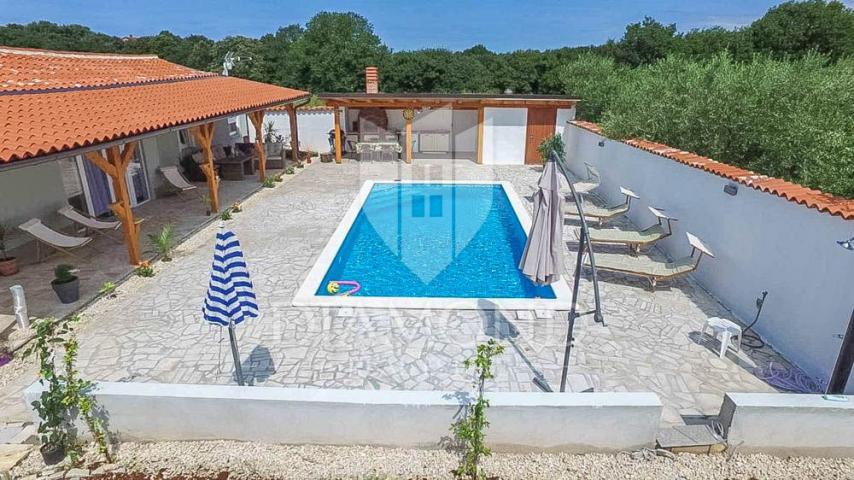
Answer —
(308, 108)
(56, 101)
(823, 202)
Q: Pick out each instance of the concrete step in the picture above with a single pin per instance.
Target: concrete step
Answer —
(690, 439)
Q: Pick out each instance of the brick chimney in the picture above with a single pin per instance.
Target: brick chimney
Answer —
(372, 80)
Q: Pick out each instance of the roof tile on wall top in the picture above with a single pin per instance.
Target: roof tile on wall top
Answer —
(818, 200)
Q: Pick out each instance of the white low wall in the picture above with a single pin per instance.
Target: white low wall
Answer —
(788, 424)
(761, 242)
(577, 422)
(313, 125)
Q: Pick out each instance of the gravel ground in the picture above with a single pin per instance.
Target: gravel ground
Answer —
(260, 461)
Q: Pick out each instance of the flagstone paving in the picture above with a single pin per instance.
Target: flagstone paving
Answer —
(152, 330)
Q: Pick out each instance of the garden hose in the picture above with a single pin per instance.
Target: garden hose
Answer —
(750, 339)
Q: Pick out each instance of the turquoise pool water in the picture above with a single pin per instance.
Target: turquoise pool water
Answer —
(435, 240)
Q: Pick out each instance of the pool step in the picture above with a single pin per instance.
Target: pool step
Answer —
(690, 439)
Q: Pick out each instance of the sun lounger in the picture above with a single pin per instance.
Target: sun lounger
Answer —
(634, 239)
(89, 223)
(589, 184)
(174, 177)
(50, 237)
(653, 270)
(604, 214)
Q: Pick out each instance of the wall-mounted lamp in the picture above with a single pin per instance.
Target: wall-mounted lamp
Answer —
(601, 143)
(846, 244)
(731, 189)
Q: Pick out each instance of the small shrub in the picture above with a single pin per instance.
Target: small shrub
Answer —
(236, 207)
(268, 182)
(144, 270)
(163, 242)
(63, 273)
(289, 170)
(108, 289)
(470, 430)
(278, 178)
(552, 142)
(225, 215)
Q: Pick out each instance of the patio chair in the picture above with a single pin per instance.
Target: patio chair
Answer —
(634, 239)
(50, 237)
(603, 215)
(653, 270)
(174, 177)
(89, 223)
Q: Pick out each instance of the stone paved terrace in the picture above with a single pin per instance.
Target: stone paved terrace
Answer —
(152, 330)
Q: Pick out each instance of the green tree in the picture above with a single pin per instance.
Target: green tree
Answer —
(332, 53)
(644, 42)
(799, 27)
(594, 79)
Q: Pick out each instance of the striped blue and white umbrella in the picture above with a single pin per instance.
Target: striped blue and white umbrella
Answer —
(230, 299)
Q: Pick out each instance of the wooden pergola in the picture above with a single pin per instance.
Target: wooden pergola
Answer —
(410, 103)
(119, 155)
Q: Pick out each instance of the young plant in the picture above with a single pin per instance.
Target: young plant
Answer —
(3, 232)
(552, 142)
(66, 395)
(278, 178)
(470, 430)
(144, 270)
(163, 242)
(206, 202)
(225, 215)
(236, 207)
(289, 170)
(108, 288)
(269, 182)
(63, 273)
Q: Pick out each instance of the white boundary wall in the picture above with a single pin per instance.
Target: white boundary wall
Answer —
(576, 422)
(313, 125)
(788, 424)
(505, 131)
(761, 242)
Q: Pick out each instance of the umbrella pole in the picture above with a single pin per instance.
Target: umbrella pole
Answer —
(573, 314)
(234, 353)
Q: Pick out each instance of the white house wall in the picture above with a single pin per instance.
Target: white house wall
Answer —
(564, 115)
(761, 242)
(34, 191)
(504, 132)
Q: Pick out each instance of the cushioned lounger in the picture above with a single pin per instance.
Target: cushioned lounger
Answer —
(634, 239)
(653, 270)
(603, 214)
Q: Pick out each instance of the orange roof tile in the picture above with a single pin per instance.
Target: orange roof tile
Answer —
(823, 202)
(86, 99)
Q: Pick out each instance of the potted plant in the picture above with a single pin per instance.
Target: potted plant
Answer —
(8, 265)
(65, 283)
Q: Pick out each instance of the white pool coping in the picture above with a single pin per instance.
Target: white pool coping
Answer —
(306, 297)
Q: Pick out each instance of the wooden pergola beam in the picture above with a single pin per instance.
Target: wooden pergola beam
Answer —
(115, 166)
(480, 118)
(408, 115)
(204, 136)
(292, 120)
(257, 119)
(337, 115)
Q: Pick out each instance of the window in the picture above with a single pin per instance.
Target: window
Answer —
(72, 184)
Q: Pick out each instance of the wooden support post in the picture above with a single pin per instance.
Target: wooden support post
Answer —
(480, 135)
(257, 119)
(337, 116)
(292, 118)
(408, 115)
(115, 166)
(204, 137)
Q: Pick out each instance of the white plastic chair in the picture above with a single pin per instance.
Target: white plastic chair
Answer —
(727, 331)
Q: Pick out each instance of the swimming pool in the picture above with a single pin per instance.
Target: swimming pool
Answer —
(430, 245)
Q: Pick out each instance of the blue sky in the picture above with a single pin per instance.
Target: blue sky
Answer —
(501, 25)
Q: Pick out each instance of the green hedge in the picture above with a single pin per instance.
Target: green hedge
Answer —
(792, 119)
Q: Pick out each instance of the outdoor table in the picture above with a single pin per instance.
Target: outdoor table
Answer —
(235, 167)
(382, 148)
